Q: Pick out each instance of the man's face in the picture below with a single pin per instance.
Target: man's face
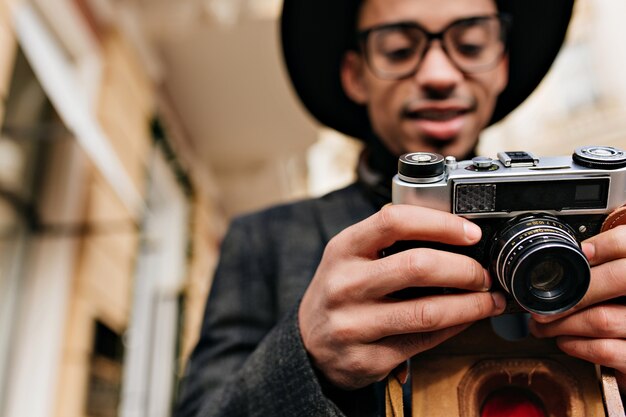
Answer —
(439, 108)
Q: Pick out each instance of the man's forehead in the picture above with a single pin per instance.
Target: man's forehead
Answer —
(432, 14)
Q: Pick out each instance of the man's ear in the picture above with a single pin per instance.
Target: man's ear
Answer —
(504, 78)
(352, 72)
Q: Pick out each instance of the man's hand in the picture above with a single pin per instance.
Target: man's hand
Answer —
(356, 334)
(595, 330)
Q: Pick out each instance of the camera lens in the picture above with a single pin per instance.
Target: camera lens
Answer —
(547, 275)
(538, 260)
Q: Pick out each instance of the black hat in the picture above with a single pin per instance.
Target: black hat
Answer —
(317, 33)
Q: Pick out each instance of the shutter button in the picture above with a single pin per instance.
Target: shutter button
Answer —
(482, 162)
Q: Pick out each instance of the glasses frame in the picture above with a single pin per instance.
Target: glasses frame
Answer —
(504, 19)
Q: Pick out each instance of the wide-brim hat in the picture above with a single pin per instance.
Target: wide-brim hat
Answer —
(317, 33)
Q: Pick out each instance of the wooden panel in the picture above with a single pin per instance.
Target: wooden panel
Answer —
(8, 47)
(2, 112)
(121, 56)
(134, 163)
(104, 205)
(126, 107)
(106, 280)
(75, 362)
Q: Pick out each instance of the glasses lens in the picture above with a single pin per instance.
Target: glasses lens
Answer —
(475, 44)
(394, 52)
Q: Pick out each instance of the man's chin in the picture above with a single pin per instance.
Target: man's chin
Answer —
(453, 146)
(444, 146)
(456, 146)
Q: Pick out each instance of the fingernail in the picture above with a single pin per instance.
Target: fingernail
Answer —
(472, 231)
(589, 249)
(498, 300)
(486, 280)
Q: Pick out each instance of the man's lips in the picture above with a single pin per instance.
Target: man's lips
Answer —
(435, 115)
(438, 122)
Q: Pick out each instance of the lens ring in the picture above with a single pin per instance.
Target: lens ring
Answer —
(569, 292)
(525, 244)
(524, 235)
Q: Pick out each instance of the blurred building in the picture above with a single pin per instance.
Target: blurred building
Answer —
(109, 225)
(133, 130)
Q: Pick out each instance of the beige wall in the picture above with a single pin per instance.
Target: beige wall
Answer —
(7, 55)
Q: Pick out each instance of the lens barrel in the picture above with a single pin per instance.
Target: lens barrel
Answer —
(537, 259)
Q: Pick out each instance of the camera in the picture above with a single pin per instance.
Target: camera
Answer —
(533, 212)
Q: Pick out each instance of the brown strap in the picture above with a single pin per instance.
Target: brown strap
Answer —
(610, 391)
(616, 218)
(393, 398)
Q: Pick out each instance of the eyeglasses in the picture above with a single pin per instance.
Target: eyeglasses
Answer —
(395, 51)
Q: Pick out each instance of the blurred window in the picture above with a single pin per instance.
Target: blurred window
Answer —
(19, 163)
(105, 373)
(13, 235)
(27, 134)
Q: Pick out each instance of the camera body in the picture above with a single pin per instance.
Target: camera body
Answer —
(533, 212)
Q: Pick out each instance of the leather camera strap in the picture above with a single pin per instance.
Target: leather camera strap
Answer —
(394, 395)
(394, 403)
(616, 218)
(610, 391)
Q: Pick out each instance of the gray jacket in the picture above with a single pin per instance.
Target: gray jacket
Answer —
(250, 360)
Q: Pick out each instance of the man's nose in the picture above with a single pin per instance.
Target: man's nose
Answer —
(437, 73)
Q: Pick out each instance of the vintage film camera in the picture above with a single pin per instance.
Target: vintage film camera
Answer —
(533, 212)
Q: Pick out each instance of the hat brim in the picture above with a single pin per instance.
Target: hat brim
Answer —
(317, 33)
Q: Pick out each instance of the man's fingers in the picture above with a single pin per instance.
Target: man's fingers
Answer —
(423, 267)
(607, 255)
(430, 314)
(608, 282)
(404, 222)
(606, 246)
(606, 352)
(374, 361)
(401, 347)
(602, 321)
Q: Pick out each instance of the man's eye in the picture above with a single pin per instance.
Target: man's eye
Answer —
(401, 54)
(470, 49)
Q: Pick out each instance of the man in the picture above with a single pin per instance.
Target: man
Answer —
(299, 321)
